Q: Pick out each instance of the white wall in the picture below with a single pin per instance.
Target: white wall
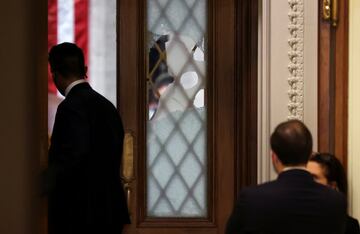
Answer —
(274, 60)
(354, 109)
(102, 46)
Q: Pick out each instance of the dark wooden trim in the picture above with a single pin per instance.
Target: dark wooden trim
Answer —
(225, 74)
(38, 35)
(333, 84)
(246, 93)
(177, 223)
(142, 107)
(127, 68)
(325, 125)
(211, 98)
(341, 64)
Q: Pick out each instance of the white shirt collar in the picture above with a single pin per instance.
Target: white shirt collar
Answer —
(67, 90)
(292, 168)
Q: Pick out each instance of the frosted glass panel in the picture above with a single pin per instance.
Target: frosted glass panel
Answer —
(176, 124)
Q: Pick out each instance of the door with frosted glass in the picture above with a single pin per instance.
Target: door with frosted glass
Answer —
(178, 98)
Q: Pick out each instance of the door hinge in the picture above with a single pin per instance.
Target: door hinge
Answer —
(330, 11)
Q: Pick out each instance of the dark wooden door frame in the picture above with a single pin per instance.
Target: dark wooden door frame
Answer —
(333, 83)
(247, 18)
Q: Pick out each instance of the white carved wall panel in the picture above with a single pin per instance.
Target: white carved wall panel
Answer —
(288, 38)
(296, 57)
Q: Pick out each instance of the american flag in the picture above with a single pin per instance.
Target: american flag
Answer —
(68, 22)
(91, 24)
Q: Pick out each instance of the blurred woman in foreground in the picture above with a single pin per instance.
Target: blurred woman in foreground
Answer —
(328, 170)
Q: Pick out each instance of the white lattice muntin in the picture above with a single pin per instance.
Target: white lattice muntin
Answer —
(296, 57)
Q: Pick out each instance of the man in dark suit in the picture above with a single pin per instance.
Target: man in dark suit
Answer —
(294, 203)
(85, 193)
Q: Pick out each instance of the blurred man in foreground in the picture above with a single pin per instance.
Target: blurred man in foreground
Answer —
(294, 203)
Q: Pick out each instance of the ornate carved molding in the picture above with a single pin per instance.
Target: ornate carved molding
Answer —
(296, 57)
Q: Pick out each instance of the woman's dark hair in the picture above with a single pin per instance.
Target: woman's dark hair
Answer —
(334, 170)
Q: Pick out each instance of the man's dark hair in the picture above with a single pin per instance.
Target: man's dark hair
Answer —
(333, 169)
(291, 141)
(67, 59)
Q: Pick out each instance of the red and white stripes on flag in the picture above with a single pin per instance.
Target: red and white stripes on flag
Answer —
(91, 24)
(68, 21)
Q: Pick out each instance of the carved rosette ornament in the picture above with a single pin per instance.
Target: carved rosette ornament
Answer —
(296, 57)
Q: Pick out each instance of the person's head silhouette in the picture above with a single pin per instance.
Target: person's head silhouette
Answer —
(67, 64)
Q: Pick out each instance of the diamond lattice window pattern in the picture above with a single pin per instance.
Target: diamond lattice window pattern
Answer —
(176, 127)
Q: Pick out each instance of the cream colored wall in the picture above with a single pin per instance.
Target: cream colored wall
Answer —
(354, 109)
(274, 74)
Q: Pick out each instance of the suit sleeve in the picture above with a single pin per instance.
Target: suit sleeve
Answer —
(70, 144)
(356, 226)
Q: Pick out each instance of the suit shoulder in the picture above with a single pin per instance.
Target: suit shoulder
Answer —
(262, 190)
(66, 104)
(352, 225)
(89, 96)
(261, 187)
(93, 94)
(331, 194)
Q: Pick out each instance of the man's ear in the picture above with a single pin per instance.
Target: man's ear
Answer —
(274, 157)
(278, 166)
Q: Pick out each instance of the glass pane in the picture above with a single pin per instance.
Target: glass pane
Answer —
(176, 126)
(91, 24)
